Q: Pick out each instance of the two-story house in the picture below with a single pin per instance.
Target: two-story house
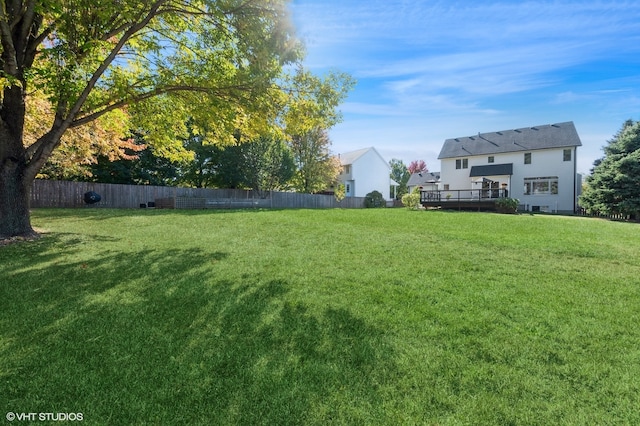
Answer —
(364, 171)
(536, 165)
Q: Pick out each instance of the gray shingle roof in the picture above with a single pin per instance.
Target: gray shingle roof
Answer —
(526, 139)
(417, 179)
(352, 156)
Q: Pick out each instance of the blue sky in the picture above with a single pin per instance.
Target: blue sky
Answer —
(432, 70)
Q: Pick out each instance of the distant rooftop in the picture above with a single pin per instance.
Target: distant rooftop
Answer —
(547, 136)
(423, 178)
(350, 157)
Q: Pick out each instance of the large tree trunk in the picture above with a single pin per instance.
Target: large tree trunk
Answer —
(14, 202)
(15, 178)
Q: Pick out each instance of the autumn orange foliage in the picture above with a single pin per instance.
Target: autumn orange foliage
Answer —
(80, 146)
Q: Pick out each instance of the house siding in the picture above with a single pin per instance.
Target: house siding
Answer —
(372, 175)
(556, 187)
(547, 163)
(544, 163)
(368, 172)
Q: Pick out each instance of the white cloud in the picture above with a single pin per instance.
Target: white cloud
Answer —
(430, 70)
(386, 26)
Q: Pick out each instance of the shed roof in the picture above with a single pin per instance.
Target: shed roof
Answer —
(525, 139)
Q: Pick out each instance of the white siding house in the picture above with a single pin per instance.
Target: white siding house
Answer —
(364, 171)
(536, 165)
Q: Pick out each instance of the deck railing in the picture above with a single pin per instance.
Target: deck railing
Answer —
(457, 195)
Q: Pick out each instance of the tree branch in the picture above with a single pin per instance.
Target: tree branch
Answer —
(9, 60)
(43, 147)
(130, 32)
(221, 92)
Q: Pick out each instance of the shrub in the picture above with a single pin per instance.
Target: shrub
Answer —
(507, 205)
(340, 192)
(374, 199)
(411, 201)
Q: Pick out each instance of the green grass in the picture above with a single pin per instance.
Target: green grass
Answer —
(322, 317)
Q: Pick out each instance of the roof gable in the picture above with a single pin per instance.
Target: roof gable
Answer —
(351, 157)
(525, 139)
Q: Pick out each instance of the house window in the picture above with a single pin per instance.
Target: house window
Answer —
(346, 169)
(527, 158)
(462, 164)
(446, 186)
(347, 188)
(491, 159)
(541, 185)
(566, 155)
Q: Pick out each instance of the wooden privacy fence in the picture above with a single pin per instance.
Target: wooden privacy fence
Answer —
(53, 193)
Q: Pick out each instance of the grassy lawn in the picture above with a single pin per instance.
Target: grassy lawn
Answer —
(322, 317)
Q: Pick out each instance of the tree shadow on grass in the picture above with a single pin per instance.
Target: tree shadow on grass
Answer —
(161, 337)
(275, 362)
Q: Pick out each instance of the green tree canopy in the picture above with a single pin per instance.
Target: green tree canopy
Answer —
(614, 185)
(227, 166)
(225, 63)
(400, 174)
(316, 168)
(142, 167)
(263, 165)
(201, 169)
(269, 165)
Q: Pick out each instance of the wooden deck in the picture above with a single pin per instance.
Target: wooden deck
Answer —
(468, 199)
(462, 205)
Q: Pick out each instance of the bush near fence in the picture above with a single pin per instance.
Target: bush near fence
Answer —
(52, 193)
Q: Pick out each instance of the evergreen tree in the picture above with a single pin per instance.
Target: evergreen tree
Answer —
(614, 184)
